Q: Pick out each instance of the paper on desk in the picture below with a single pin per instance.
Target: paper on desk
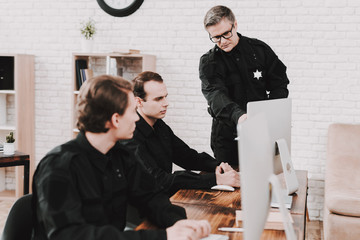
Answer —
(216, 237)
(273, 222)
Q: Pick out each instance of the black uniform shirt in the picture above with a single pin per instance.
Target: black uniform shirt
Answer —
(251, 71)
(158, 148)
(80, 193)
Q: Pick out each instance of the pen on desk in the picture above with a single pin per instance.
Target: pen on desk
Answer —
(231, 229)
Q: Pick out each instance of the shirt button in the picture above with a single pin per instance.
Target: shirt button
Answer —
(119, 175)
(117, 170)
(237, 59)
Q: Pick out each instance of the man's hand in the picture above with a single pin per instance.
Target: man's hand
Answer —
(226, 175)
(242, 118)
(224, 167)
(189, 230)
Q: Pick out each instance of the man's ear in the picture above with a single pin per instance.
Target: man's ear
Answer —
(235, 26)
(114, 121)
(138, 102)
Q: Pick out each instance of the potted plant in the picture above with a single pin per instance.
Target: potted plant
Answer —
(88, 31)
(9, 145)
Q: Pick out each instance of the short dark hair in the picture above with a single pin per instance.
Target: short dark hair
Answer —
(141, 79)
(216, 14)
(99, 98)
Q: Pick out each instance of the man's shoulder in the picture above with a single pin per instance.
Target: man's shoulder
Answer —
(209, 55)
(256, 43)
(209, 62)
(253, 41)
(61, 156)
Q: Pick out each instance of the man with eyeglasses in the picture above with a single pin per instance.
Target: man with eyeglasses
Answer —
(237, 70)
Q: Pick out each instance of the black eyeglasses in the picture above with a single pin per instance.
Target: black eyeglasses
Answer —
(225, 35)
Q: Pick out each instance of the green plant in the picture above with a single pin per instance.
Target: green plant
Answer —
(88, 29)
(10, 138)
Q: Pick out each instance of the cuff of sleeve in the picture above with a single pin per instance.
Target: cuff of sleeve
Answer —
(153, 234)
(236, 115)
(209, 179)
(209, 164)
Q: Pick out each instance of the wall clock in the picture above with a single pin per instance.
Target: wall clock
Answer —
(120, 8)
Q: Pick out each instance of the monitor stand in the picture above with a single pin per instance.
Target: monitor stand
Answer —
(291, 181)
(277, 190)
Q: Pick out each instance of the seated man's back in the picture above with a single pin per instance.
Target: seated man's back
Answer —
(81, 188)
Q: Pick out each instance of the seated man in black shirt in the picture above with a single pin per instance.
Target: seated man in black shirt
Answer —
(81, 188)
(158, 147)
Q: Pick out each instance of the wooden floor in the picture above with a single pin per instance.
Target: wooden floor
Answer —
(314, 229)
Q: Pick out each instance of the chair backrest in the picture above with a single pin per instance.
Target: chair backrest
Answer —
(19, 223)
(343, 139)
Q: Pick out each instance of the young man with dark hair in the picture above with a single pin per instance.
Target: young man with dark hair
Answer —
(236, 71)
(157, 147)
(81, 188)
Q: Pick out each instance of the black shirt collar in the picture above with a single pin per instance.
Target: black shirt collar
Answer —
(97, 158)
(145, 128)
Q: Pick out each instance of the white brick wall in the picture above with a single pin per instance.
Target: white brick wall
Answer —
(319, 41)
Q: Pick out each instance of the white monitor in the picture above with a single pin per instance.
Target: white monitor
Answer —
(257, 174)
(278, 120)
(256, 166)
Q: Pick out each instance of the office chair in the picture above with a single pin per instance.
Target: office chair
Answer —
(19, 223)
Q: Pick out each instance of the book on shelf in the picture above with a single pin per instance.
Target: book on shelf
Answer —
(6, 73)
(79, 64)
(85, 74)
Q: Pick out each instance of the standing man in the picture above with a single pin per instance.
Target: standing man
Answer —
(81, 188)
(158, 147)
(237, 70)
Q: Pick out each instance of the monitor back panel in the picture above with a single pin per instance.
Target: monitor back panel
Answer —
(278, 113)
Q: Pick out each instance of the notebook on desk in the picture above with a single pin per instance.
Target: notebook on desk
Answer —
(287, 199)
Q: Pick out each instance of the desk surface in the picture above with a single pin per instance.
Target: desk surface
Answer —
(17, 156)
(219, 207)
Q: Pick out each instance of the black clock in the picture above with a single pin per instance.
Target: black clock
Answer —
(120, 8)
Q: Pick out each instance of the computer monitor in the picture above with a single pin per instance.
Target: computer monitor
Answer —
(258, 180)
(278, 120)
(256, 168)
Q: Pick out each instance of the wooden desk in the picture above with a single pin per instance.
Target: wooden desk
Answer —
(219, 207)
(17, 159)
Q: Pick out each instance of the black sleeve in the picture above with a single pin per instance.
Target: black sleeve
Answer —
(189, 158)
(58, 208)
(149, 199)
(171, 182)
(277, 79)
(214, 90)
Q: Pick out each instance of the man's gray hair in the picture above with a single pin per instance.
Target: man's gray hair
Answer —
(216, 14)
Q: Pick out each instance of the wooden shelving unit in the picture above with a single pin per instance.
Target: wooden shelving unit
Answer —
(17, 110)
(127, 65)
